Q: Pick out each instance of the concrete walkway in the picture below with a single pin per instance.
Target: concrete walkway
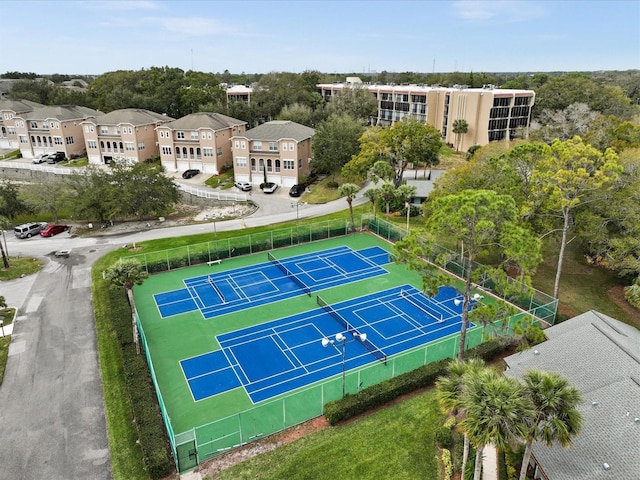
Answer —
(489, 463)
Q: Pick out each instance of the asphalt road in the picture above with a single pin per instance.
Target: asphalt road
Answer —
(52, 420)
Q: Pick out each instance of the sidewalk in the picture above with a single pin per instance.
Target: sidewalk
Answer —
(489, 463)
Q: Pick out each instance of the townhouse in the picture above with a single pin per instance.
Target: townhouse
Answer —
(277, 151)
(198, 141)
(9, 109)
(52, 129)
(125, 136)
(492, 114)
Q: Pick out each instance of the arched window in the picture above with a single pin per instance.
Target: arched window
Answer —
(261, 164)
(184, 152)
(33, 139)
(101, 145)
(39, 141)
(191, 153)
(277, 165)
(108, 146)
(269, 165)
(198, 153)
(121, 148)
(253, 164)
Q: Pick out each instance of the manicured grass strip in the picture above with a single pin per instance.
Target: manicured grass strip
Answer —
(395, 442)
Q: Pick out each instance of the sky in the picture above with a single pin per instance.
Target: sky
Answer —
(330, 36)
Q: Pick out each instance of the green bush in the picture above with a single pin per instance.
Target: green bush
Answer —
(448, 465)
(444, 437)
(333, 184)
(140, 389)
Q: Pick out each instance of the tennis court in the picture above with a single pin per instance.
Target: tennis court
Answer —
(270, 359)
(237, 289)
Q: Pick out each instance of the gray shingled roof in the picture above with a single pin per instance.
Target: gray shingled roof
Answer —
(601, 357)
(215, 121)
(62, 112)
(133, 116)
(19, 106)
(279, 129)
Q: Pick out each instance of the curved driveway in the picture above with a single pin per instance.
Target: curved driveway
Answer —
(52, 420)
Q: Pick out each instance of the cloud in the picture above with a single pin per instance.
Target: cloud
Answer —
(510, 11)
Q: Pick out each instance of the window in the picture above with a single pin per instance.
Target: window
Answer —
(11, 130)
(34, 124)
(23, 139)
(166, 150)
(141, 146)
(236, 145)
(289, 164)
(219, 151)
(20, 123)
(291, 147)
(209, 136)
(284, 147)
(243, 145)
(129, 147)
(277, 165)
(129, 130)
(257, 145)
(86, 128)
(57, 140)
(273, 146)
(198, 153)
(261, 165)
(241, 161)
(180, 135)
(204, 135)
(269, 165)
(104, 130)
(207, 152)
(194, 135)
(69, 140)
(253, 164)
(92, 144)
(101, 145)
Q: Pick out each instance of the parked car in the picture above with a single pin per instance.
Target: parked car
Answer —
(296, 190)
(244, 186)
(40, 158)
(55, 157)
(270, 187)
(53, 229)
(28, 230)
(190, 173)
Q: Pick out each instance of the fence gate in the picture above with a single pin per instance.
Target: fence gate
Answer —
(187, 454)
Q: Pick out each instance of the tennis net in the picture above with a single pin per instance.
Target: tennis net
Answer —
(375, 351)
(409, 298)
(215, 287)
(288, 273)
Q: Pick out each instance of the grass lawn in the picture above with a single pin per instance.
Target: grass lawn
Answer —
(20, 266)
(395, 442)
(8, 315)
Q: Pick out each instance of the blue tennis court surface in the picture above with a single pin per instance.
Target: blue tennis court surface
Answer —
(241, 288)
(275, 357)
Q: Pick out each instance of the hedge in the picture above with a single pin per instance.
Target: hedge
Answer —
(151, 433)
(376, 395)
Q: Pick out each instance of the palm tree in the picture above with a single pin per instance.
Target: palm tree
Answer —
(349, 190)
(449, 392)
(497, 411)
(387, 193)
(127, 273)
(556, 419)
(5, 223)
(460, 127)
(372, 195)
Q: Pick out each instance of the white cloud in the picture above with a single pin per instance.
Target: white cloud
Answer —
(504, 10)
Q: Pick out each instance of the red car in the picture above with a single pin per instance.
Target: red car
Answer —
(53, 229)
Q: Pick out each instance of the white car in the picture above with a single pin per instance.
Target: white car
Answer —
(41, 158)
(244, 186)
(270, 187)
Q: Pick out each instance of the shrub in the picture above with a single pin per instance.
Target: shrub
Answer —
(333, 184)
(448, 465)
(444, 437)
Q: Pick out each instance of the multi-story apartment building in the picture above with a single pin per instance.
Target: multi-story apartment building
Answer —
(198, 141)
(491, 113)
(126, 136)
(9, 109)
(239, 93)
(278, 151)
(52, 129)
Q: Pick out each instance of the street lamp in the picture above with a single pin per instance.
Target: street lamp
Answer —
(342, 339)
(297, 205)
(407, 205)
